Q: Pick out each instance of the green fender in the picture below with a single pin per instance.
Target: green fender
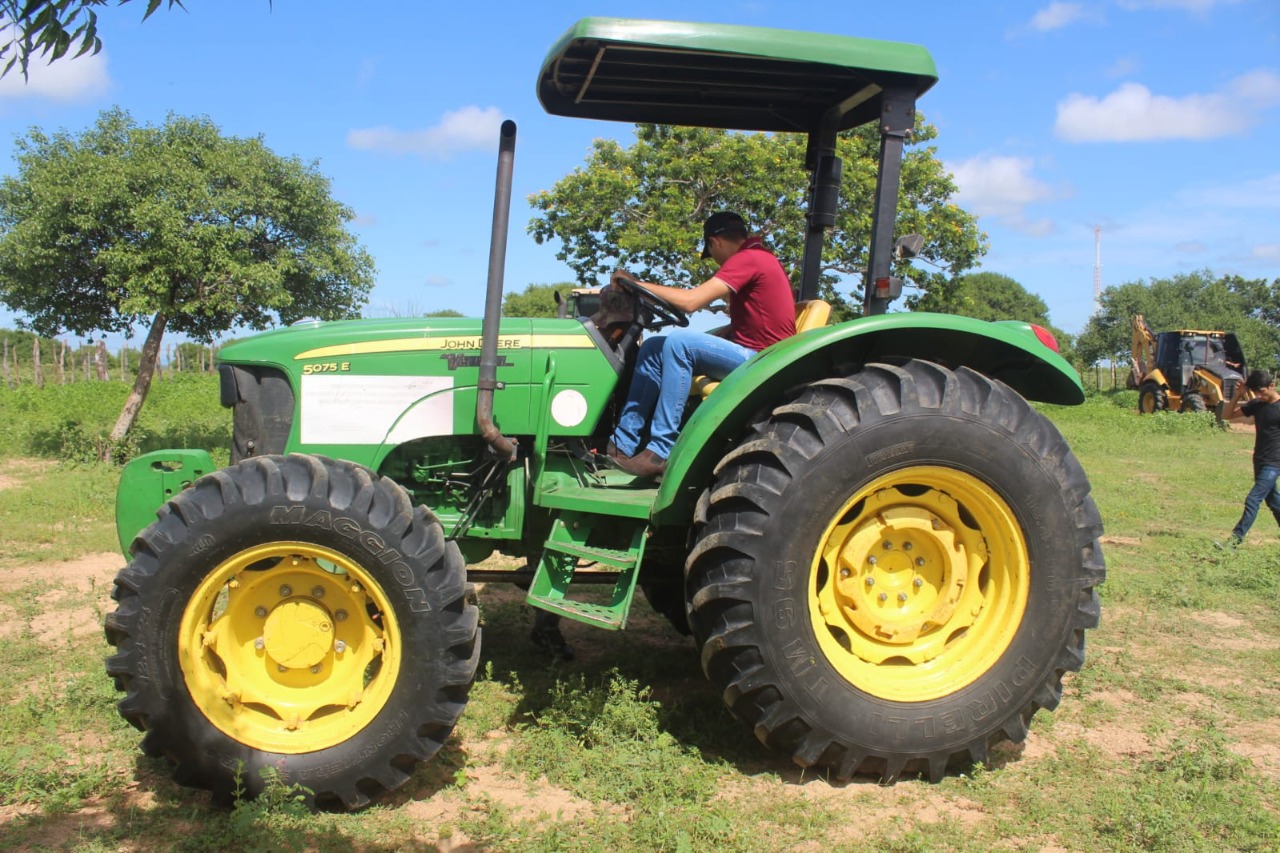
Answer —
(150, 480)
(1007, 351)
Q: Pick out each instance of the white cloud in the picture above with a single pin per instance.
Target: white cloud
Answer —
(1122, 67)
(1056, 15)
(467, 129)
(1002, 187)
(1134, 113)
(1254, 194)
(80, 79)
(437, 280)
(1260, 88)
(1197, 6)
(1225, 227)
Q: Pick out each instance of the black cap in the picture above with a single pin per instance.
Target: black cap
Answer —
(718, 223)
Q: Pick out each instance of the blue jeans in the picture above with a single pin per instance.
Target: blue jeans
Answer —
(664, 373)
(1264, 488)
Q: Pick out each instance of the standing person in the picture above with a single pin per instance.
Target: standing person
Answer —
(762, 311)
(1265, 411)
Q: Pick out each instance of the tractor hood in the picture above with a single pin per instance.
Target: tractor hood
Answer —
(316, 339)
(356, 389)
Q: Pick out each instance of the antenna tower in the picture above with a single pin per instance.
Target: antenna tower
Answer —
(1097, 267)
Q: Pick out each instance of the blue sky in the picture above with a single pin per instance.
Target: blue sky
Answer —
(1150, 119)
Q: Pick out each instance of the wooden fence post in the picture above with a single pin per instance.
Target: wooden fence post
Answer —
(100, 360)
(37, 369)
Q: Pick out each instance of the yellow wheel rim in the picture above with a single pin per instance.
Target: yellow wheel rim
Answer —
(919, 584)
(289, 647)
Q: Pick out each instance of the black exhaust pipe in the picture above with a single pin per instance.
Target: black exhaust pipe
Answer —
(502, 446)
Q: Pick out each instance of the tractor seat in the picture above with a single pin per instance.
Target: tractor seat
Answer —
(810, 314)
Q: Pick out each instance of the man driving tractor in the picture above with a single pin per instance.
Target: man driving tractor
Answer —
(761, 312)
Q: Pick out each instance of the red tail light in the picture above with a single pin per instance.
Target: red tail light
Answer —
(1045, 337)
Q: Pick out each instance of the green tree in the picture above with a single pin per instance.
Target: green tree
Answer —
(51, 28)
(1196, 300)
(988, 296)
(642, 207)
(171, 227)
(444, 312)
(536, 300)
(992, 296)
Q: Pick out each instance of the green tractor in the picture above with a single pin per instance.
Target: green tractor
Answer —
(886, 557)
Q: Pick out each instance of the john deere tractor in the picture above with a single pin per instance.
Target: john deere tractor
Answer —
(886, 556)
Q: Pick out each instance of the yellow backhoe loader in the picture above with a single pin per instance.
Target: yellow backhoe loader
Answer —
(1187, 370)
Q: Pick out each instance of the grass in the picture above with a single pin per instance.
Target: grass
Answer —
(69, 422)
(1165, 741)
(70, 512)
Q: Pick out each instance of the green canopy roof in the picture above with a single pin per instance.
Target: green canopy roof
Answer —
(720, 75)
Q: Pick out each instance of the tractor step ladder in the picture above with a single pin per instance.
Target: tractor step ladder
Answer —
(565, 546)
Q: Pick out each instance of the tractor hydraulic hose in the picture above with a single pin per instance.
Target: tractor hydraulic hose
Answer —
(502, 446)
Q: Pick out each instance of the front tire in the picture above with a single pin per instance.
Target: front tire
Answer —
(1151, 398)
(294, 615)
(1193, 402)
(893, 572)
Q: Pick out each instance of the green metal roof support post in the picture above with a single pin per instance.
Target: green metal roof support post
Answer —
(897, 120)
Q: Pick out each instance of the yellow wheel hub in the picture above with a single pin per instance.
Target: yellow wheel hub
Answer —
(298, 633)
(289, 647)
(919, 584)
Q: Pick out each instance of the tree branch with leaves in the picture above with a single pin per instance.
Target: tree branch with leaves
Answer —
(50, 29)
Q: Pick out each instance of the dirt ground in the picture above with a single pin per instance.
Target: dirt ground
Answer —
(91, 577)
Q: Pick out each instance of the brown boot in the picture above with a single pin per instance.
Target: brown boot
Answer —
(646, 463)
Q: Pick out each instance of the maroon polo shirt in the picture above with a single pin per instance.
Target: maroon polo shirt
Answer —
(762, 310)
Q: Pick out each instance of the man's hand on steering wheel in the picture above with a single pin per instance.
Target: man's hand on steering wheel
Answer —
(666, 313)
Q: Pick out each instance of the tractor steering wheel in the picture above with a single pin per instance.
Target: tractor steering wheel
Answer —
(653, 304)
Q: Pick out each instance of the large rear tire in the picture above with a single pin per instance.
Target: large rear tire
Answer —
(295, 615)
(894, 571)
